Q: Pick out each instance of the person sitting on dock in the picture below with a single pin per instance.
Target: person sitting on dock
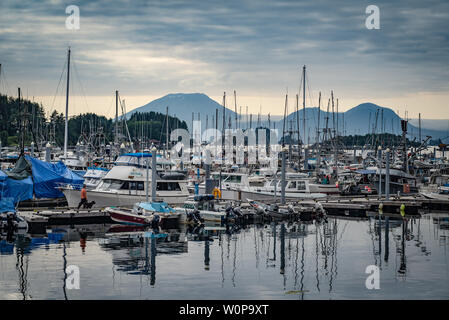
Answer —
(83, 196)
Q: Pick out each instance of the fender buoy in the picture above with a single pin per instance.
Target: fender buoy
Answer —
(402, 210)
(217, 193)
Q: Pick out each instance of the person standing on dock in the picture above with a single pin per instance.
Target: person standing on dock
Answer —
(83, 196)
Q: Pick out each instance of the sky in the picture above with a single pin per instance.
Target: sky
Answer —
(147, 49)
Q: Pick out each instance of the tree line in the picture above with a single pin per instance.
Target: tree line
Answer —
(26, 119)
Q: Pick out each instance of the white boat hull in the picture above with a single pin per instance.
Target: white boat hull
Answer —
(106, 199)
(435, 196)
(270, 196)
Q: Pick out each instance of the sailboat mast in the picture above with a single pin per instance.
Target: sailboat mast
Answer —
(66, 128)
(116, 118)
(223, 128)
(166, 134)
(297, 124)
(318, 126)
(304, 101)
(283, 123)
(318, 146)
(235, 107)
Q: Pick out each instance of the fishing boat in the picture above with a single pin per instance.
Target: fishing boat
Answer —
(296, 188)
(143, 213)
(200, 208)
(438, 185)
(231, 182)
(93, 176)
(126, 183)
(75, 163)
(442, 193)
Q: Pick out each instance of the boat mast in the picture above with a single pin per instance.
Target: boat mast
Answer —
(66, 129)
(304, 102)
(21, 127)
(318, 147)
(283, 123)
(335, 137)
(116, 119)
(223, 133)
(166, 133)
(235, 107)
(297, 124)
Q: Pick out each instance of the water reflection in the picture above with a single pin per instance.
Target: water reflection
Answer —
(282, 259)
(134, 249)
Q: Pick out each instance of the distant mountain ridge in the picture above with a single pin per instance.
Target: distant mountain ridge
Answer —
(358, 120)
(182, 105)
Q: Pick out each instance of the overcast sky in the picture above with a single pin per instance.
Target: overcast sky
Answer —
(146, 49)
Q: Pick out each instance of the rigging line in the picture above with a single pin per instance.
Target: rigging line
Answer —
(311, 99)
(110, 104)
(2, 75)
(79, 80)
(298, 114)
(59, 83)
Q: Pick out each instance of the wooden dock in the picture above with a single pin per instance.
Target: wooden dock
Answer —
(36, 224)
(69, 216)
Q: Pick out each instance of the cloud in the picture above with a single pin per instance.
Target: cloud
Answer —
(255, 46)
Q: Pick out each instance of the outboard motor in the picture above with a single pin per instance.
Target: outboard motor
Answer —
(229, 213)
(195, 216)
(155, 221)
(237, 212)
(10, 222)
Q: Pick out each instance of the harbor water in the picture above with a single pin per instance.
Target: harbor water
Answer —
(280, 260)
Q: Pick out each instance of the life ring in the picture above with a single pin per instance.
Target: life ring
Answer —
(217, 193)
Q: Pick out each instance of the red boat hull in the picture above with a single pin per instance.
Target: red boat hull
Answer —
(128, 218)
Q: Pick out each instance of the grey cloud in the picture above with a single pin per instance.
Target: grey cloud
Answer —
(248, 44)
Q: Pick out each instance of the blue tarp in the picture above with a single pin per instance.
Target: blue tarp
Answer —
(141, 155)
(13, 191)
(47, 177)
(156, 206)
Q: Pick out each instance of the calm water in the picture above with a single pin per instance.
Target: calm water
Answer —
(289, 261)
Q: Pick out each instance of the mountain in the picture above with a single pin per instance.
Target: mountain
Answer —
(359, 120)
(182, 105)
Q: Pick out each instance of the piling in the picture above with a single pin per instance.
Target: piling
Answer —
(387, 231)
(380, 171)
(282, 270)
(387, 174)
(153, 174)
(48, 152)
(283, 178)
(147, 187)
(206, 254)
(355, 155)
(209, 183)
(306, 158)
(153, 260)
